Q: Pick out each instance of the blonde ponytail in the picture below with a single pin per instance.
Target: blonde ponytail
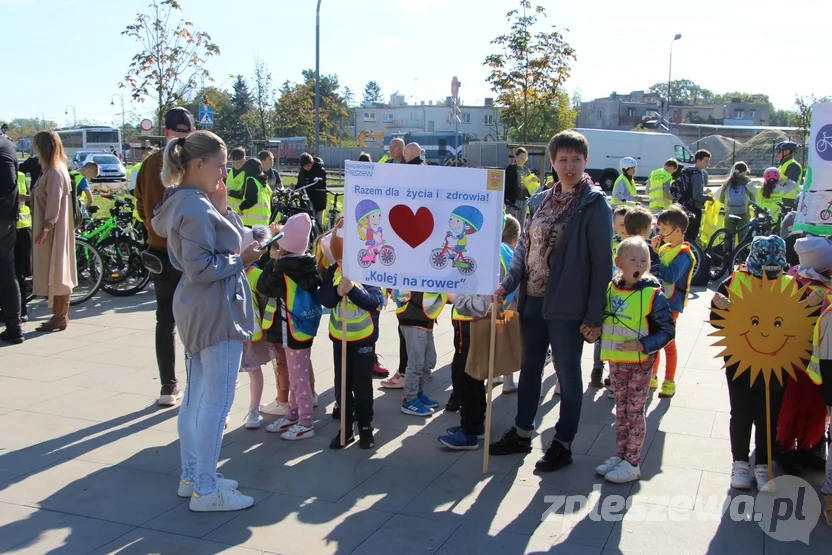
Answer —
(179, 152)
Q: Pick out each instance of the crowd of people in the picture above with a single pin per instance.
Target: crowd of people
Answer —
(244, 293)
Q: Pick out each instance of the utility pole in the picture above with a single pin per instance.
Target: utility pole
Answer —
(74, 119)
(318, 78)
(669, 71)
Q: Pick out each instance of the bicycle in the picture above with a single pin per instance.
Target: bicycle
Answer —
(823, 143)
(826, 213)
(367, 257)
(115, 238)
(89, 269)
(721, 247)
(335, 211)
(288, 202)
(439, 258)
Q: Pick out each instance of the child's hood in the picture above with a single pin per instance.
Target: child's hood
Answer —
(303, 270)
(645, 281)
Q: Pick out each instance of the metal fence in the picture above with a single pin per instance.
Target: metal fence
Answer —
(335, 156)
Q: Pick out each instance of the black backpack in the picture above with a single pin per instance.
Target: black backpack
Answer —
(681, 188)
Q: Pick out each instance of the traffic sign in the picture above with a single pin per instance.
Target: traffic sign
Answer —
(146, 127)
(455, 87)
(206, 115)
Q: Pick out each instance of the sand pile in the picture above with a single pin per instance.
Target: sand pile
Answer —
(757, 152)
(719, 146)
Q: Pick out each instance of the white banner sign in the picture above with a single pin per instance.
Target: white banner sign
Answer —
(423, 228)
(815, 211)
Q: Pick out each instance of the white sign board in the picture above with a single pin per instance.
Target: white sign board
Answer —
(146, 127)
(814, 214)
(423, 228)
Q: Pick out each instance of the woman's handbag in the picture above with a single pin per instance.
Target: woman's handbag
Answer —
(507, 352)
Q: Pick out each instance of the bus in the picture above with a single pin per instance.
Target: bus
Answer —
(90, 138)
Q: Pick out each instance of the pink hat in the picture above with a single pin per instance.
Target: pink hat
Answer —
(296, 234)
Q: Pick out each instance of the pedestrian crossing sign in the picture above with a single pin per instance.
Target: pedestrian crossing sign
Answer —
(206, 115)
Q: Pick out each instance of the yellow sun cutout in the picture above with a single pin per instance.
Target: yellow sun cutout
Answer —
(767, 329)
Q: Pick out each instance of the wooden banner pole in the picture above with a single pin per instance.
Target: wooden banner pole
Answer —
(768, 426)
(344, 344)
(495, 308)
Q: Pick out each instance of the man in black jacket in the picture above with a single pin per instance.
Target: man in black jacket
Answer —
(413, 154)
(9, 213)
(310, 168)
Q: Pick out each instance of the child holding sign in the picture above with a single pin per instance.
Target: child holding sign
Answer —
(363, 308)
(417, 313)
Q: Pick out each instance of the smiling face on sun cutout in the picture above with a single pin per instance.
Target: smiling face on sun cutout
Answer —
(766, 330)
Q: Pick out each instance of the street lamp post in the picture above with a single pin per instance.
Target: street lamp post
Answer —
(669, 73)
(112, 103)
(74, 119)
(318, 78)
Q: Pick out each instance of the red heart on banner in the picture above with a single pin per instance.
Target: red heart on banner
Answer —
(414, 229)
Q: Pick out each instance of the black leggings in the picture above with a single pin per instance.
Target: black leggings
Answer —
(748, 407)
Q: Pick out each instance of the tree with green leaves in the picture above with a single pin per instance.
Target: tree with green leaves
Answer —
(225, 119)
(684, 93)
(295, 110)
(803, 117)
(240, 104)
(170, 65)
(372, 93)
(528, 74)
(261, 116)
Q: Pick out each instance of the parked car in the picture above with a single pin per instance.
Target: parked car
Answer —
(111, 167)
(81, 156)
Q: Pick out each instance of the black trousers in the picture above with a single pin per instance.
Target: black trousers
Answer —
(23, 263)
(461, 342)
(748, 406)
(402, 353)
(9, 289)
(360, 361)
(165, 286)
(692, 233)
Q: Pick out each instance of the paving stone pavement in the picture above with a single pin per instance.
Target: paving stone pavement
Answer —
(89, 464)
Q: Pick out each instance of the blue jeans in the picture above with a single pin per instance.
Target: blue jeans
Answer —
(212, 373)
(567, 343)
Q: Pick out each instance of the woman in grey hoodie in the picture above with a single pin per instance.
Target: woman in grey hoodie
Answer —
(212, 307)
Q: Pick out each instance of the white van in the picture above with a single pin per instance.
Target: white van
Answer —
(651, 151)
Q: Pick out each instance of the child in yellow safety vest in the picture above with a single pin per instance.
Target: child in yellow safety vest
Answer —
(821, 372)
(637, 323)
(290, 280)
(256, 351)
(364, 304)
(417, 313)
(675, 270)
(801, 425)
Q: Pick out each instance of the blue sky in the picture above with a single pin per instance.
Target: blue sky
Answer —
(71, 51)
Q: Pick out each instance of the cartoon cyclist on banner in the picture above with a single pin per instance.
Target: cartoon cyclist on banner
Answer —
(368, 216)
(464, 221)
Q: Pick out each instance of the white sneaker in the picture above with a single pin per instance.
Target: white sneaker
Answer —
(275, 409)
(253, 418)
(499, 379)
(169, 399)
(222, 499)
(761, 477)
(623, 473)
(186, 489)
(280, 425)
(315, 400)
(740, 479)
(509, 385)
(607, 466)
(298, 431)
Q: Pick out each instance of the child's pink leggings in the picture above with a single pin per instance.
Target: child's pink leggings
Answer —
(631, 384)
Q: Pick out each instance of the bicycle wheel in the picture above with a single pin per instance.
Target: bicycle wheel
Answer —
(89, 269)
(720, 247)
(698, 266)
(741, 254)
(124, 272)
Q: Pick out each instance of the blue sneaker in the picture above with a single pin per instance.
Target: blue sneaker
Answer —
(458, 429)
(460, 442)
(427, 401)
(416, 408)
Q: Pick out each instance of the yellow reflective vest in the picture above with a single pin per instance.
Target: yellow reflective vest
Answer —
(631, 189)
(360, 323)
(260, 212)
(235, 182)
(25, 212)
(667, 255)
(430, 309)
(770, 203)
(506, 254)
(252, 275)
(782, 169)
(813, 369)
(136, 216)
(625, 319)
(658, 200)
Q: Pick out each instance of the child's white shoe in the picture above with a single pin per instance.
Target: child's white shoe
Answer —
(253, 419)
(623, 473)
(509, 386)
(608, 466)
(298, 431)
(280, 425)
(761, 477)
(740, 477)
(275, 409)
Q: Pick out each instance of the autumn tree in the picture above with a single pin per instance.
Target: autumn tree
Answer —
(262, 114)
(170, 64)
(372, 93)
(528, 74)
(295, 111)
(225, 119)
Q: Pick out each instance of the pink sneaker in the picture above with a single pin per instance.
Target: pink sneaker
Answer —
(379, 371)
(396, 381)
